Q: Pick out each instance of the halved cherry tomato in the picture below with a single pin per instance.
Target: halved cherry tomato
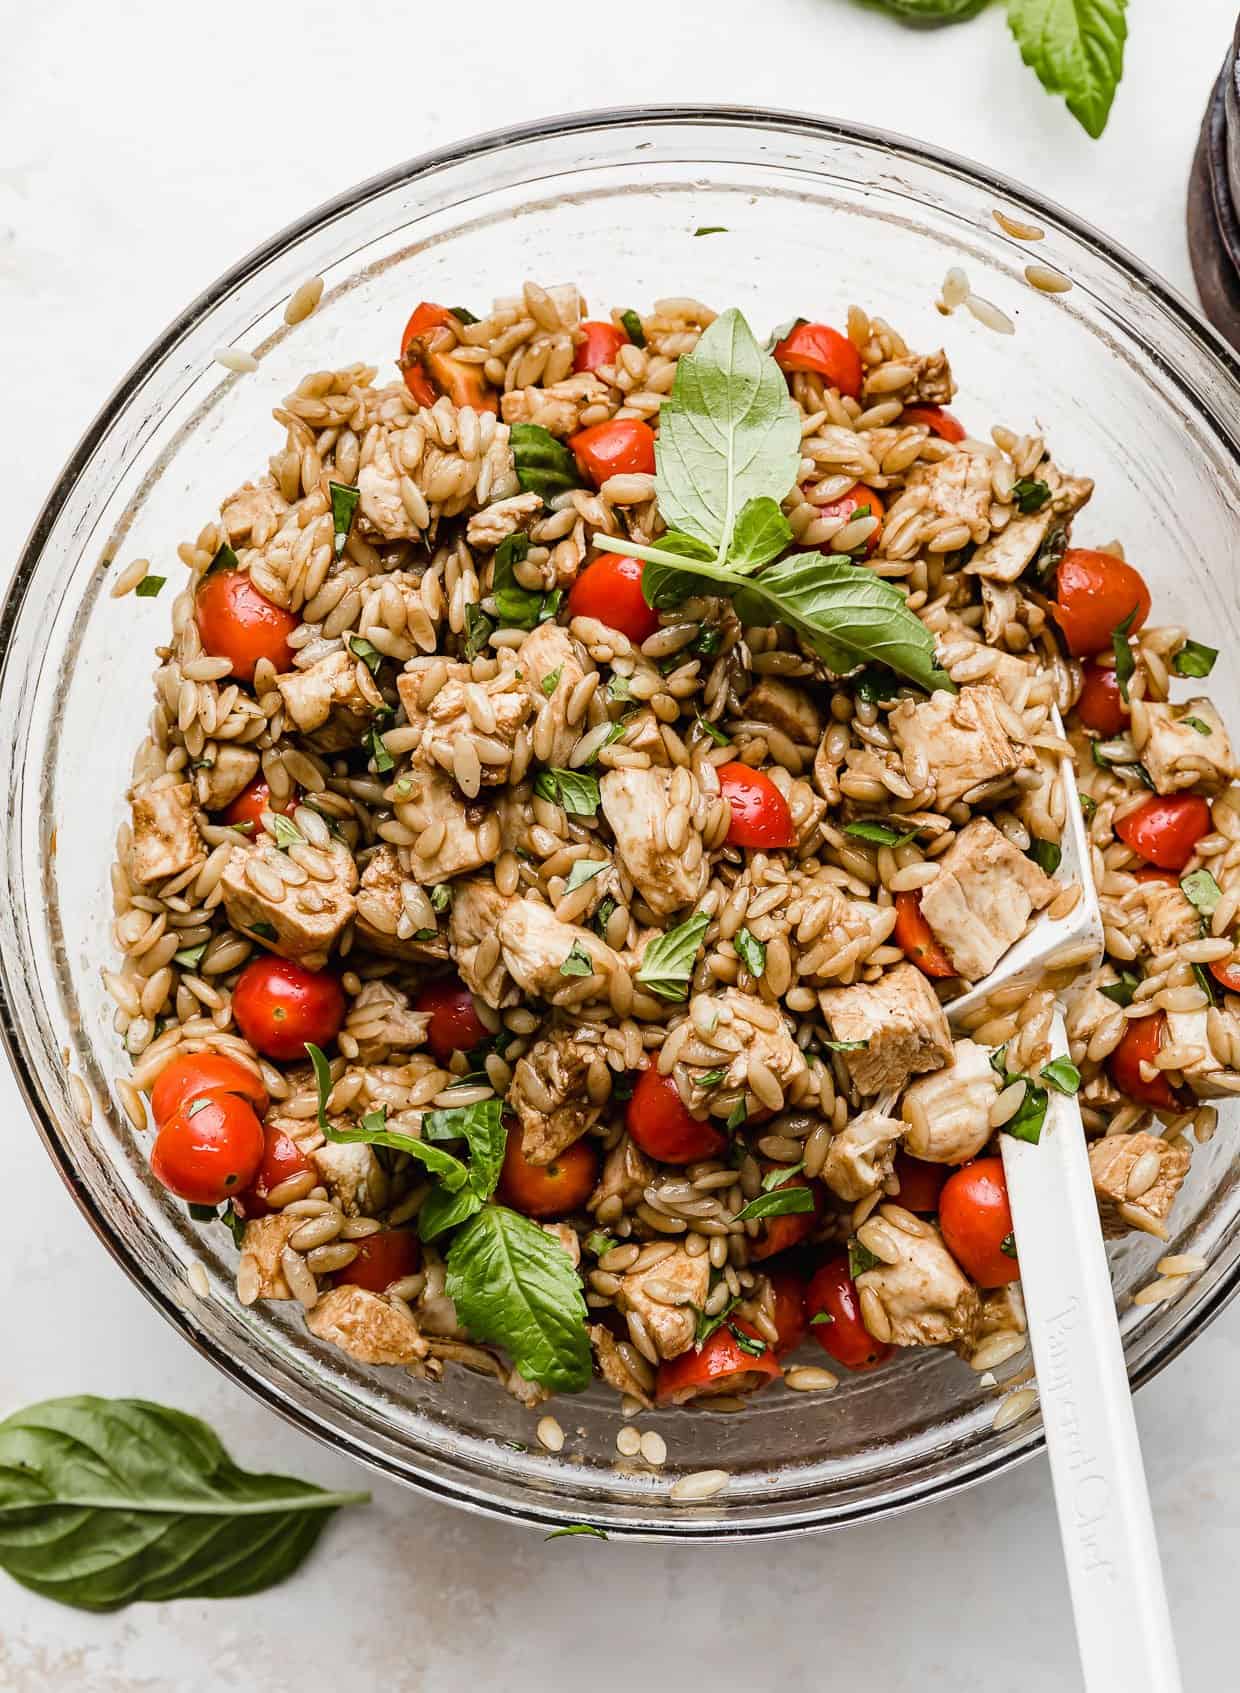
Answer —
(203, 1072)
(1101, 706)
(937, 419)
(624, 446)
(722, 1366)
(915, 938)
(547, 1190)
(788, 1294)
(1095, 593)
(816, 347)
(1147, 873)
(849, 505)
(920, 1183)
(382, 1259)
(599, 345)
(1226, 973)
(282, 1159)
(777, 1234)
(209, 1149)
(455, 1025)
(661, 1125)
(279, 1005)
(610, 589)
(760, 814)
(976, 1222)
(1165, 829)
(429, 368)
(251, 802)
(238, 623)
(1140, 1043)
(845, 1338)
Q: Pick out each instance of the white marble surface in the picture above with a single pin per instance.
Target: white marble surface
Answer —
(142, 150)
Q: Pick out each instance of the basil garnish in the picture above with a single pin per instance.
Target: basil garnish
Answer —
(667, 963)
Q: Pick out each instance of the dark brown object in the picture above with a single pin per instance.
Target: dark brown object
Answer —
(1213, 223)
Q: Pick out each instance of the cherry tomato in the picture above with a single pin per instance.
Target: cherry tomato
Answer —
(976, 1222)
(251, 802)
(600, 344)
(1165, 828)
(845, 1338)
(282, 1159)
(382, 1259)
(814, 346)
(777, 1234)
(188, 1078)
(760, 814)
(788, 1291)
(722, 1366)
(624, 446)
(915, 938)
(937, 419)
(1101, 705)
(547, 1190)
(238, 623)
(920, 1183)
(1141, 1040)
(856, 500)
(661, 1125)
(430, 369)
(279, 1005)
(1226, 973)
(455, 1025)
(1147, 873)
(1096, 592)
(610, 589)
(209, 1149)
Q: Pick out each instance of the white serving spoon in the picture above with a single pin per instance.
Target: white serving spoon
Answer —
(1123, 1626)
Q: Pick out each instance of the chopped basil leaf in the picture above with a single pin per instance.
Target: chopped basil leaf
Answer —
(783, 1202)
(463, 315)
(234, 1222)
(373, 1131)
(576, 1528)
(481, 1127)
(600, 919)
(1205, 981)
(633, 328)
(441, 896)
(1062, 1074)
(1030, 494)
(1121, 992)
(203, 1213)
(845, 1045)
(1008, 1246)
(785, 1172)
(667, 962)
(1089, 806)
(578, 962)
(712, 229)
(478, 630)
(709, 1079)
(1194, 659)
(1047, 855)
(1125, 664)
(618, 689)
(750, 951)
(322, 1079)
(747, 1342)
(1197, 724)
(1028, 1121)
(266, 930)
(383, 759)
(583, 871)
(284, 833)
(369, 654)
(600, 1244)
(344, 504)
(190, 957)
(708, 642)
(573, 789)
(149, 587)
(820, 1317)
(861, 1259)
(1050, 554)
(875, 683)
(706, 1326)
(424, 934)
(544, 465)
(225, 559)
(713, 730)
(550, 683)
(1201, 890)
(737, 1117)
(879, 834)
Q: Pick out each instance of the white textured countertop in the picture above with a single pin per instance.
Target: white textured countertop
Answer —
(140, 156)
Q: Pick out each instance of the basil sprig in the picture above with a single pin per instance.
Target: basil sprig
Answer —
(667, 963)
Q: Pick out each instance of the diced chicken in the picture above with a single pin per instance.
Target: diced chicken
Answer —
(262, 1243)
(382, 1021)
(614, 1367)
(546, 652)
(394, 913)
(861, 1155)
(556, 411)
(254, 513)
(1163, 918)
(217, 784)
(495, 523)
(433, 798)
(982, 898)
(165, 835)
(668, 1296)
(627, 1173)
(378, 484)
(1007, 553)
(927, 1298)
(1112, 1161)
(785, 707)
(354, 1177)
(370, 1328)
(548, 1094)
(901, 1022)
(565, 1236)
(933, 382)
(536, 946)
(1003, 1312)
(309, 695)
(304, 1132)
(477, 906)
(746, 1031)
(1191, 1030)
(947, 1115)
(958, 487)
(302, 922)
(502, 706)
(1184, 746)
(963, 739)
(636, 804)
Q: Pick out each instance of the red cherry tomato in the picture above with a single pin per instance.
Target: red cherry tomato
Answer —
(547, 1190)
(282, 1159)
(610, 589)
(209, 1149)
(1141, 1040)
(1101, 705)
(856, 500)
(382, 1259)
(455, 1025)
(238, 623)
(788, 1291)
(251, 802)
(976, 1222)
(661, 1125)
(430, 370)
(722, 1366)
(1227, 973)
(777, 1234)
(1168, 878)
(936, 419)
(920, 1183)
(279, 1005)
(915, 938)
(599, 345)
(1165, 828)
(203, 1072)
(1095, 593)
(624, 446)
(760, 814)
(845, 1338)
(814, 346)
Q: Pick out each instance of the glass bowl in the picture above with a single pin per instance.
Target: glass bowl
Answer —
(1132, 389)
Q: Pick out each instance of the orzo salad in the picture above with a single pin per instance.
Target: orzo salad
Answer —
(582, 770)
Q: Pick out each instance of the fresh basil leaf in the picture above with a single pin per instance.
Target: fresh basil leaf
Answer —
(751, 952)
(322, 1079)
(875, 684)
(667, 962)
(481, 1127)
(633, 328)
(578, 962)
(845, 1045)
(149, 587)
(600, 919)
(737, 1117)
(618, 689)
(1205, 981)
(549, 684)
(382, 758)
(1028, 1121)
(440, 896)
(1196, 723)
(369, 654)
(761, 534)
(783, 1202)
(284, 833)
(706, 1326)
(708, 642)
(344, 504)
(861, 1259)
(582, 871)
(712, 229)
(1062, 1074)
(442, 1210)
(932, 11)
(478, 630)
(573, 789)
(1202, 891)
(1194, 659)
(1075, 48)
(708, 1079)
(600, 1244)
(785, 1172)
(663, 585)
(1030, 495)
(225, 559)
(515, 606)
(514, 1285)
(1047, 855)
(1089, 806)
(203, 1213)
(266, 930)
(712, 729)
(748, 1343)
(190, 957)
(371, 1131)
(1008, 1246)
(1121, 991)
(576, 1528)
(879, 834)
(544, 465)
(463, 315)
(1125, 663)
